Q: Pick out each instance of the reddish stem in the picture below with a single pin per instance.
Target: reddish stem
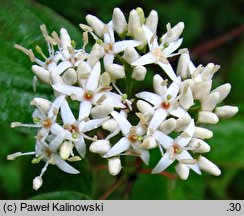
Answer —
(212, 44)
(164, 173)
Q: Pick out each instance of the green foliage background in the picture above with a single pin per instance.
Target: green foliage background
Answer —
(204, 20)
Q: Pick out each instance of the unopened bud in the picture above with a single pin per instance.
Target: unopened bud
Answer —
(139, 73)
(41, 73)
(100, 146)
(116, 71)
(144, 107)
(168, 126)
(203, 133)
(37, 182)
(182, 123)
(209, 102)
(44, 104)
(152, 21)
(110, 125)
(186, 99)
(207, 117)
(65, 150)
(101, 111)
(226, 111)
(65, 38)
(158, 84)
(114, 166)
(223, 91)
(175, 32)
(70, 76)
(183, 64)
(139, 35)
(202, 89)
(149, 143)
(199, 146)
(208, 166)
(134, 22)
(182, 171)
(95, 55)
(119, 21)
(96, 24)
(130, 54)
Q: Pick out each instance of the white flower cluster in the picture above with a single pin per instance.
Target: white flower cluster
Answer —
(171, 119)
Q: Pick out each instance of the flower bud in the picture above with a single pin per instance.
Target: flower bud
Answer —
(208, 166)
(111, 125)
(144, 107)
(37, 182)
(114, 166)
(100, 146)
(96, 24)
(209, 103)
(182, 171)
(41, 73)
(203, 133)
(116, 71)
(175, 32)
(201, 89)
(56, 78)
(133, 23)
(119, 21)
(183, 64)
(209, 71)
(168, 126)
(101, 111)
(139, 73)
(199, 146)
(130, 54)
(141, 15)
(65, 38)
(159, 84)
(186, 99)
(152, 21)
(149, 143)
(140, 36)
(182, 123)
(207, 117)
(95, 55)
(226, 111)
(44, 104)
(70, 76)
(223, 91)
(65, 150)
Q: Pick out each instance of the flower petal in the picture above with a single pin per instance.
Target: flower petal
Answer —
(184, 140)
(186, 155)
(158, 117)
(163, 163)
(124, 124)
(56, 142)
(85, 109)
(173, 46)
(63, 66)
(152, 98)
(179, 112)
(108, 36)
(112, 99)
(145, 156)
(56, 129)
(55, 106)
(92, 124)
(122, 145)
(163, 139)
(93, 79)
(148, 58)
(168, 70)
(66, 113)
(61, 164)
(70, 90)
(173, 89)
(152, 42)
(108, 59)
(122, 45)
(80, 146)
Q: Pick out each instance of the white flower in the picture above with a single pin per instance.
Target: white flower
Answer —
(132, 138)
(159, 53)
(164, 102)
(45, 121)
(176, 149)
(90, 94)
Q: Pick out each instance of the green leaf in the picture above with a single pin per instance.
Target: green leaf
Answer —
(61, 195)
(227, 143)
(19, 23)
